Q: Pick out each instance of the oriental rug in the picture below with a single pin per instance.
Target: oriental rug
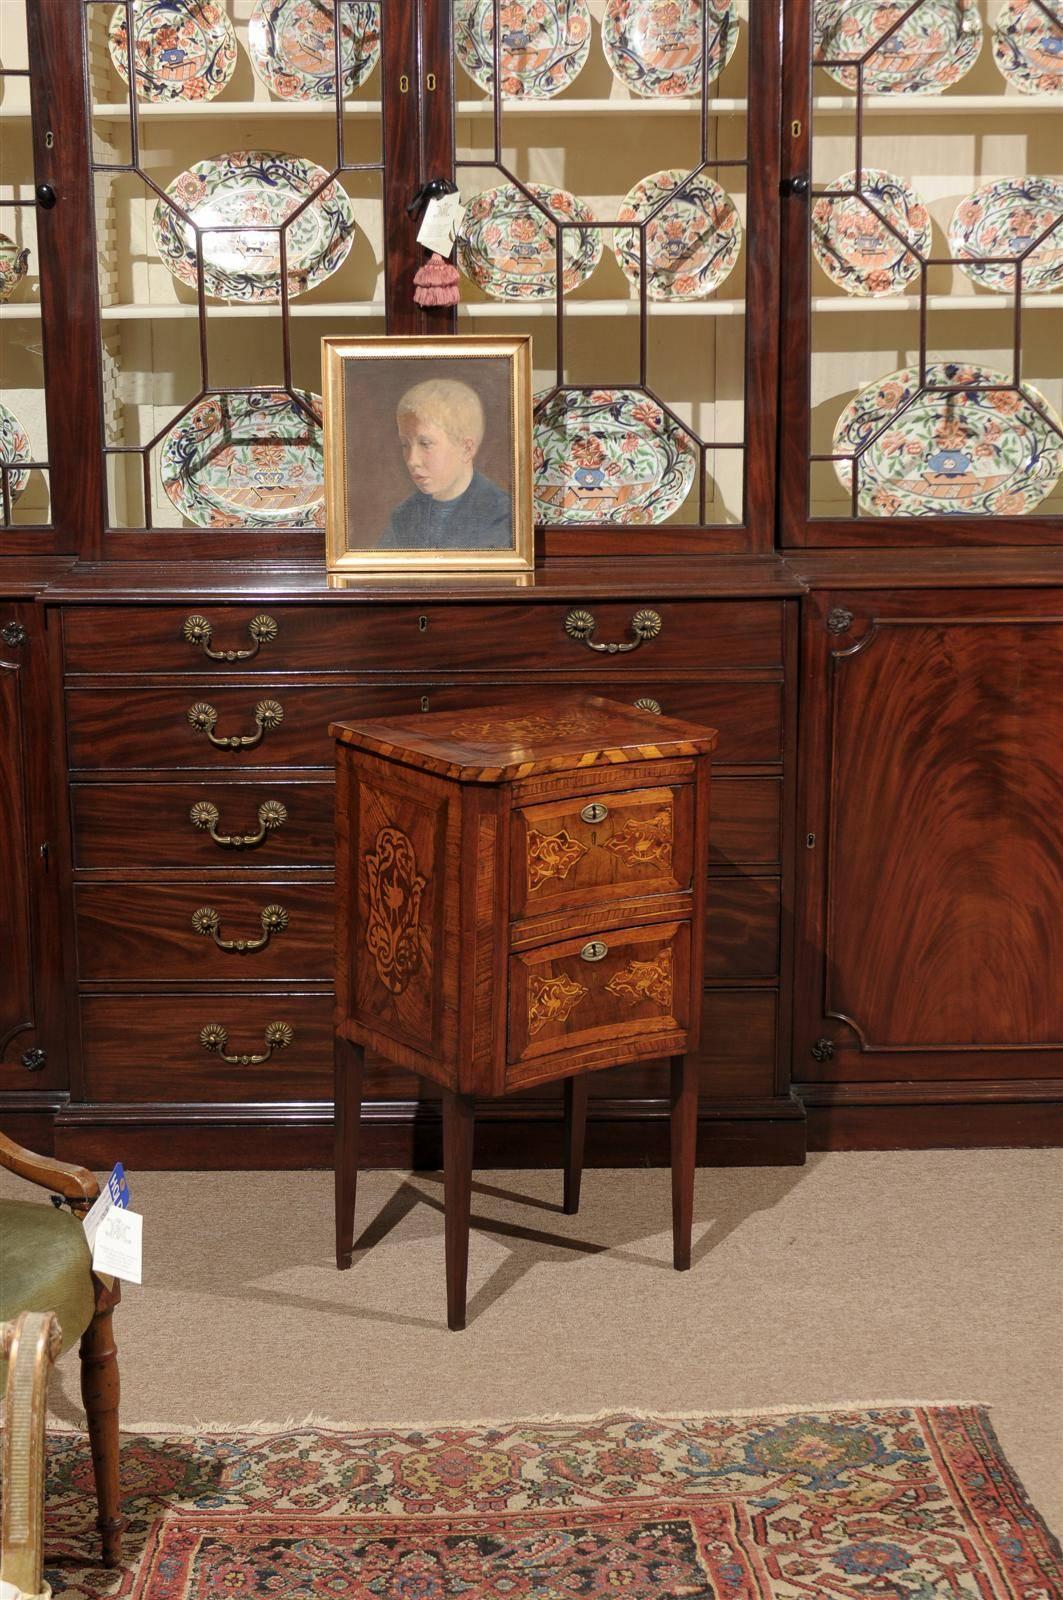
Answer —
(887, 1503)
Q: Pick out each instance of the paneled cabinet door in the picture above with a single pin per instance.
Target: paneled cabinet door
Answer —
(930, 925)
(31, 1004)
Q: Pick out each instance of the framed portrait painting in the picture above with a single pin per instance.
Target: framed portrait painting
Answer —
(428, 454)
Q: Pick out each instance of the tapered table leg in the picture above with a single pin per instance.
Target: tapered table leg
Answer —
(458, 1123)
(575, 1133)
(349, 1062)
(100, 1391)
(684, 1151)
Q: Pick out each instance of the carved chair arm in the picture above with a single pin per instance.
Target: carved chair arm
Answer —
(75, 1184)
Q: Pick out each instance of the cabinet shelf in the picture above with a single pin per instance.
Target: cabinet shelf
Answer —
(942, 105)
(201, 110)
(30, 311)
(130, 311)
(937, 302)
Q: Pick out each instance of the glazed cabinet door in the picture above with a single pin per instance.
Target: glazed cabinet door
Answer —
(930, 917)
(32, 1054)
(922, 304)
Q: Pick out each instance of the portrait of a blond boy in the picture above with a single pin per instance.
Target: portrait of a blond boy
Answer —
(453, 506)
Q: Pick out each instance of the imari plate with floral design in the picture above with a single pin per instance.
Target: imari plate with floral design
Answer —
(855, 237)
(292, 45)
(1028, 47)
(692, 242)
(14, 447)
(969, 445)
(609, 455)
(254, 191)
(248, 460)
(655, 46)
(508, 246)
(932, 48)
(1007, 219)
(184, 49)
(543, 44)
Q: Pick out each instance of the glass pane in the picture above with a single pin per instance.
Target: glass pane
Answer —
(239, 214)
(24, 486)
(619, 153)
(936, 373)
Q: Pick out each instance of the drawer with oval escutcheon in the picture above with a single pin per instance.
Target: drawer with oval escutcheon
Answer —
(206, 931)
(596, 994)
(204, 823)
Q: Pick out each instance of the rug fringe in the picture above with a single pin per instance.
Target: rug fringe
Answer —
(260, 1426)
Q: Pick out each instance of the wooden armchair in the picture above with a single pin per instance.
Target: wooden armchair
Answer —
(30, 1345)
(46, 1265)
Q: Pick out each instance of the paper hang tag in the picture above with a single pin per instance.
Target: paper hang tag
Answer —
(118, 1247)
(441, 223)
(115, 1192)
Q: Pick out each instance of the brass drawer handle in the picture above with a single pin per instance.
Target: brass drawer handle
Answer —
(198, 632)
(214, 1038)
(646, 702)
(205, 816)
(203, 717)
(595, 950)
(594, 812)
(207, 921)
(580, 625)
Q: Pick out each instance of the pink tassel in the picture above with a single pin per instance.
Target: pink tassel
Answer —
(436, 283)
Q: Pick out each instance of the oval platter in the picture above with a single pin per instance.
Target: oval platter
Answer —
(14, 447)
(655, 46)
(854, 245)
(608, 455)
(933, 47)
(977, 452)
(542, 49)
(185, 49)
(509, 248)
(292, 45)
(1028, 47)
(254, 190)
(247, 460)
(692, 243)
(1006, 219)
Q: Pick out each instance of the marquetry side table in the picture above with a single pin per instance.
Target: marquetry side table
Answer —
(521, 898)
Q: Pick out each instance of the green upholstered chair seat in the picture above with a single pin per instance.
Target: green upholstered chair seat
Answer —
(45, 1265)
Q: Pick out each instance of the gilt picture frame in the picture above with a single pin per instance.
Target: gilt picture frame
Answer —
(428, 454)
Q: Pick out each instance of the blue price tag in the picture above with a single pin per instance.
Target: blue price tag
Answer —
(118, 1186)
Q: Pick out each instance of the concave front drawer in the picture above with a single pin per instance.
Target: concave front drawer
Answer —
(579, 851)
(204, 824)
(377, 637)
(210, 931)
(171, 1048)
(585, 992)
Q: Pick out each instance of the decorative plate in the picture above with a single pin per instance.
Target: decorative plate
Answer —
(247, 460)
(851, 240)
(692, 242)
(1028, 47)
(185, 49)
(509, 247)
(14, 264)
(254, 190)
(543, 47)
(292, 45)
(654, 46)
(1004, 219)
(609, 455)
(14, 446)
(976, 452)
(931, 49)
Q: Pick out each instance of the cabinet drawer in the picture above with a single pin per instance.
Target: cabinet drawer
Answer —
(742, 929)
(145, 933)
(148, 1047)
(272, 824)
(747, 716)
(578, 852)
(746, 823)
(561, 1001)
(378, 637)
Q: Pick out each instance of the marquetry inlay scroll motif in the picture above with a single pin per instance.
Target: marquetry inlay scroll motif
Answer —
(645, 980)
(551, 855)
(524, 730)
(552, 1000)
(645, 841)
(393, 929)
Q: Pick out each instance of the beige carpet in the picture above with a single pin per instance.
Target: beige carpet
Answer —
(924, 1276)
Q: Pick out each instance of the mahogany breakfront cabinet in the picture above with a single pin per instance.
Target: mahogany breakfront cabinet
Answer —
(870, 614)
